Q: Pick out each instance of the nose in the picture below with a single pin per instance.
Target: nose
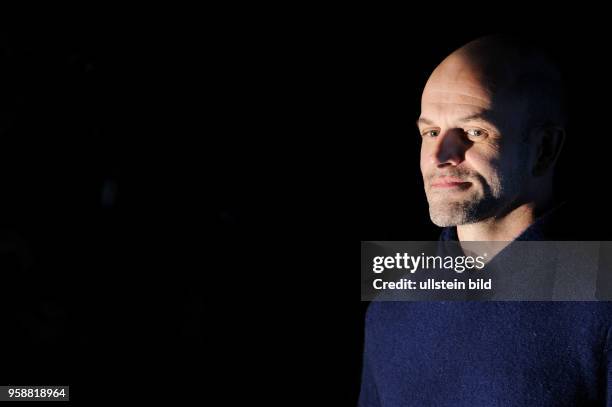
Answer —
(450, 148)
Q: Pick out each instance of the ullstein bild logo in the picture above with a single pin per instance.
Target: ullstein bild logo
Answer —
(432, 284)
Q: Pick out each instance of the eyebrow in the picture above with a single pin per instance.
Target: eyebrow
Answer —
(422, 120)
(480, 116)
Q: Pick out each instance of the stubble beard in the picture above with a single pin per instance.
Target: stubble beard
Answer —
(482, 200)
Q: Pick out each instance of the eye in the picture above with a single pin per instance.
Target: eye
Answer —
(476, 133)
(431, 133)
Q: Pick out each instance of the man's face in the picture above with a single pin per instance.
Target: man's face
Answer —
(473, 160)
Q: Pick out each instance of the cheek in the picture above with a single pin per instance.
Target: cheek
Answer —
(427, 160)
(424, 159)
(483, 162)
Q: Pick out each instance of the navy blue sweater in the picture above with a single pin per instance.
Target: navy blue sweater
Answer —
(477, 353)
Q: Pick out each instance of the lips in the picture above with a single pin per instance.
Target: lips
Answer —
(449, 183)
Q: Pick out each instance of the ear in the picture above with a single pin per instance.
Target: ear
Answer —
(550, 139)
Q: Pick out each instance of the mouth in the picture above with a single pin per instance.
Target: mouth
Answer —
(449, 183)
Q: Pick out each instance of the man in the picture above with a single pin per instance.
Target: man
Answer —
(492, 127)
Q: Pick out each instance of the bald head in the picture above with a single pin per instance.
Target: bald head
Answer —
(506, 71)
(492, 118)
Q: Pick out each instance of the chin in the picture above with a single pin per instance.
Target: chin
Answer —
(451, 214)
(444, 221)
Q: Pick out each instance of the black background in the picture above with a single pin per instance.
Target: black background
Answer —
(96, 186)
(293, 138)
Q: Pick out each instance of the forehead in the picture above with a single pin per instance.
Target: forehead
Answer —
(459, 96)
(448, 102)
(457, 86)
